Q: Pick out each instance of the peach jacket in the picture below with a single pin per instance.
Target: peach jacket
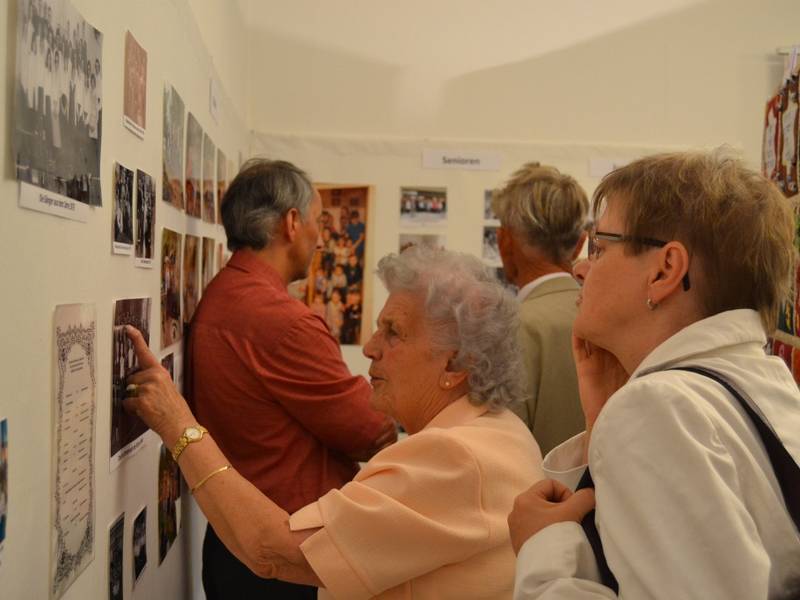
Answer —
(426, 517)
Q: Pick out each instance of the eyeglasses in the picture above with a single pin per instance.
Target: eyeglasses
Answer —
(594, 250)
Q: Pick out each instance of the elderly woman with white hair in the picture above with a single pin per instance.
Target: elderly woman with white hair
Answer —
(425, 517)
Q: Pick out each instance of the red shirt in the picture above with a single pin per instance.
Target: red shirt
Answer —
(267, 379)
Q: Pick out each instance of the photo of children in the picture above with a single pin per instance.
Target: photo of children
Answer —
(334, 288)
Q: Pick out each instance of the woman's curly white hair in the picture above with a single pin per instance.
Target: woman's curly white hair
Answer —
(467, 311)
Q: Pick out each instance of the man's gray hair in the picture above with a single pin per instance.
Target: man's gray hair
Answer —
(262, 192)
(545, 208)
(467, 311)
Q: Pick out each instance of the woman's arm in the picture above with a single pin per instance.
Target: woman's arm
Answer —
(253, 528)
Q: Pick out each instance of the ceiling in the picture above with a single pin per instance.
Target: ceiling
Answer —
(448, 37)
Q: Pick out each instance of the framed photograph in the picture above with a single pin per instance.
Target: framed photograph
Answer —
(134, 114)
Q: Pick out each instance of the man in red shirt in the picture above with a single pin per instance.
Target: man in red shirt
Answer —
(265, 376)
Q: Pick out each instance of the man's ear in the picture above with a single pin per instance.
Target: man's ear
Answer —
(290, 224)
(667, 272)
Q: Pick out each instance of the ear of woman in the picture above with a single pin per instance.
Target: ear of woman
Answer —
(671, 265)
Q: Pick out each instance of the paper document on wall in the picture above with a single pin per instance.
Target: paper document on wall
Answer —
(73, 505)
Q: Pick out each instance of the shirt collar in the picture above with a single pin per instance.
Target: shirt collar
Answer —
(729, 328)
(246, 260)
(456, 413)
(526, 289)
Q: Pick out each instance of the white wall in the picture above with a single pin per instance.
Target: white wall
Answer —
(46, 261)
(697, 76)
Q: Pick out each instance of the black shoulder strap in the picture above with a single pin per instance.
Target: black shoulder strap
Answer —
(787, 472)
(590, 529)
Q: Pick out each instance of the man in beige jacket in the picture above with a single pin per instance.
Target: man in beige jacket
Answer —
(542, 214)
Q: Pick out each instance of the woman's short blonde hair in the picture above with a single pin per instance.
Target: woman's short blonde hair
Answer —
(737, 226)
(545, 207)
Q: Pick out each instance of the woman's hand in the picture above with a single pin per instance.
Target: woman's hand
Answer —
(152, 395)
(543, 504)
(600, 374)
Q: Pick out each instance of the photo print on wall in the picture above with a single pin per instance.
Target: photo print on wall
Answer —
(222, 183)
(123, 210)
(172, 148)
(169, 489)
(116, 534)
(431, 240)
(134, 101)
(194, 160)
(3, 479)
(209, 154)
(190, 274)
(208, 261)
(334, 288)
(423, 207)
(171, 265)
(126, 429)
(58, 100)
(139, 542)
(145, 218)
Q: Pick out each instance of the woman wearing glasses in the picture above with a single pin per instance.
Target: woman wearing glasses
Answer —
(689, 262)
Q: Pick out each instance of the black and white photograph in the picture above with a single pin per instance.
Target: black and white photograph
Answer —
(145, 218)
(3, 478)
(168, 362)
(194, 159)
(116, 534)
(423, 207)
(172, 147)
(123, 210)
(488, 211)
(209, 173)
(58, 103)
(139, 542)
(134, 101)
(126, 429)
(431, 240)
(491, 253)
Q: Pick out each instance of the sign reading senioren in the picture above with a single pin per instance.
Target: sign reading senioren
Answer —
(467, 160)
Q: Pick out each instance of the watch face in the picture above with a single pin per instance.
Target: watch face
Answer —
(193, 433)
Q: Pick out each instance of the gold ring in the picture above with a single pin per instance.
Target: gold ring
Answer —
(132, 390)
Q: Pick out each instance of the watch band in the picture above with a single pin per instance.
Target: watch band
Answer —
(190, 435)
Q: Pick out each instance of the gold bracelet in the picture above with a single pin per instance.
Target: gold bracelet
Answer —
(209, 476)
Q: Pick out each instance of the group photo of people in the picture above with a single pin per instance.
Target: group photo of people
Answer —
(334, 289)
(423, 206)
(58, 125)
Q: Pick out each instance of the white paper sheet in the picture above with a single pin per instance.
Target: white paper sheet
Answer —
(73, 506)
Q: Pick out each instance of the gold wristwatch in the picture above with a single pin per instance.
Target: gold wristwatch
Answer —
(190, 435)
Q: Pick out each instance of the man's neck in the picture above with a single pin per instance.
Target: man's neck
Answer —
(530, 271)
(277, 257)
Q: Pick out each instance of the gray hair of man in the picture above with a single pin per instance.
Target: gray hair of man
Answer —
(263, 192)
(545, 208)
(468, 312)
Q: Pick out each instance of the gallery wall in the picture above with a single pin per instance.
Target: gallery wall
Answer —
(696, 76)
(48, 261)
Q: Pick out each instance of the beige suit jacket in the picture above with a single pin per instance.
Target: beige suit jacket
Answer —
(553, 410)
